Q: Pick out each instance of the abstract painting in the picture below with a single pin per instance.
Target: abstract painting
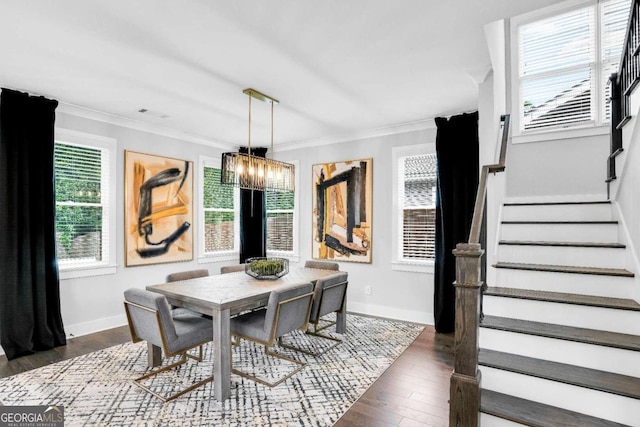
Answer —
(158, 209)
(342, 206)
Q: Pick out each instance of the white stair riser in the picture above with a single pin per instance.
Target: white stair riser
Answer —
(591, 212)
(487, 420)
(591, 402)
(619, 361)
(606, 233)
(579, 316)
(563, 255)
(588, 284)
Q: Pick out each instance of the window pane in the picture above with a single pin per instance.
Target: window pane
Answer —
(280, 231)
(79, 233)
(280, 211)
(219, 231)
(78, 173)
(79, 202)
(419, 233)
(216, 195)
(558, 42)
(419, 177)
(560, 99)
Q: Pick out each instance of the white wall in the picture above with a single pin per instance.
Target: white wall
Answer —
(395, 294)
(95, 303)
(558, 167)
(625, 192)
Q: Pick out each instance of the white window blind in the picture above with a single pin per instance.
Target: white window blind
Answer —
(82, 204)
(418, 176)
(564, 64)
(280, 215)
(220, 216)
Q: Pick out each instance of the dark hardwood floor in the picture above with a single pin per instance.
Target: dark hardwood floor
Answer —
(414, 391)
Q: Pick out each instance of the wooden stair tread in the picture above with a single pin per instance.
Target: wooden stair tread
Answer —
(558, 222)
(565, 269)
(536, 414)
(566, 298)
(569, 333)
(595, 202)
(622, 385)
(563, 244)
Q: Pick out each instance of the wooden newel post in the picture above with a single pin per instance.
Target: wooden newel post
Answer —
(464, 403)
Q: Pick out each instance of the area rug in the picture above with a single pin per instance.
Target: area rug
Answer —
(96, 389)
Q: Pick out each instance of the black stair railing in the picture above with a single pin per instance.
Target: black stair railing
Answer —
(622, 85)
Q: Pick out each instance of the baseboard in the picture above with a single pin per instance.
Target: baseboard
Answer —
(86, 328)
(391, 313)
(557, 198)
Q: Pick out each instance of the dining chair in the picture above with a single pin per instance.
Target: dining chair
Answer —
(287, 310)
(186, 275)
(150, 319)
(329, 296)
(324, 265)
(231, 268)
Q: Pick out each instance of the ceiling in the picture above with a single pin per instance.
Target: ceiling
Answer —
(337, 67)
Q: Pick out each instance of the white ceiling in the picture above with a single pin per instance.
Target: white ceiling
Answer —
(338, 67)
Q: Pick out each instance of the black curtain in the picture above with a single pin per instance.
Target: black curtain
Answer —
(30, 318)
(253, 218)
(457, 152)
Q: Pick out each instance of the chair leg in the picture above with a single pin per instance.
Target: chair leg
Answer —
(316, 333)
(181, 361)
(265, 382)
(197, 358)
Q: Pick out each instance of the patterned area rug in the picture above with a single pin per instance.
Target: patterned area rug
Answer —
(96, 389)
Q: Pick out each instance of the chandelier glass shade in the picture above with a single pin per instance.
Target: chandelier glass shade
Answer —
(251, 172)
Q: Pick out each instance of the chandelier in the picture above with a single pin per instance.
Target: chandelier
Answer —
(253, 172)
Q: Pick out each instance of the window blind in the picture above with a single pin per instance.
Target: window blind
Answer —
(280, 213)
(219, 213)
(82, 201)
(564, 65)
(418, 181)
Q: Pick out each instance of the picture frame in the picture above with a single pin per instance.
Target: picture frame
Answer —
(158, 214)
(342, 207)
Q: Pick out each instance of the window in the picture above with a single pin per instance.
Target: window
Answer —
(415, 175)
(219, 215)
(220, 218)
(564, 62)
(280, 215)
(85, 219)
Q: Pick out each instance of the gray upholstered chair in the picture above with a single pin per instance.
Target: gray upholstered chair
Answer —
(186, 275)
(231, 268)
(325, 265)
(287, 310)
(329, 296)
(150, 319)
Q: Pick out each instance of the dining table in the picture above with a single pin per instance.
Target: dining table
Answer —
(224, 295)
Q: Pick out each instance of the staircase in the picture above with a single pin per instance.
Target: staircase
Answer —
(560, 338)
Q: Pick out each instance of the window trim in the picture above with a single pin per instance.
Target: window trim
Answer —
(293, 256)
(397, 262)
(220, 256)
(108, 265)
(592, 127)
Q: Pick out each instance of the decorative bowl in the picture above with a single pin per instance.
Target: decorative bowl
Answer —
(266, 268)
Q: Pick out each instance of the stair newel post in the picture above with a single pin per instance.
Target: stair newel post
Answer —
(465, 382)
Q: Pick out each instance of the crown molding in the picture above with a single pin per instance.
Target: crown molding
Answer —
(417, 125)
(157, 129)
